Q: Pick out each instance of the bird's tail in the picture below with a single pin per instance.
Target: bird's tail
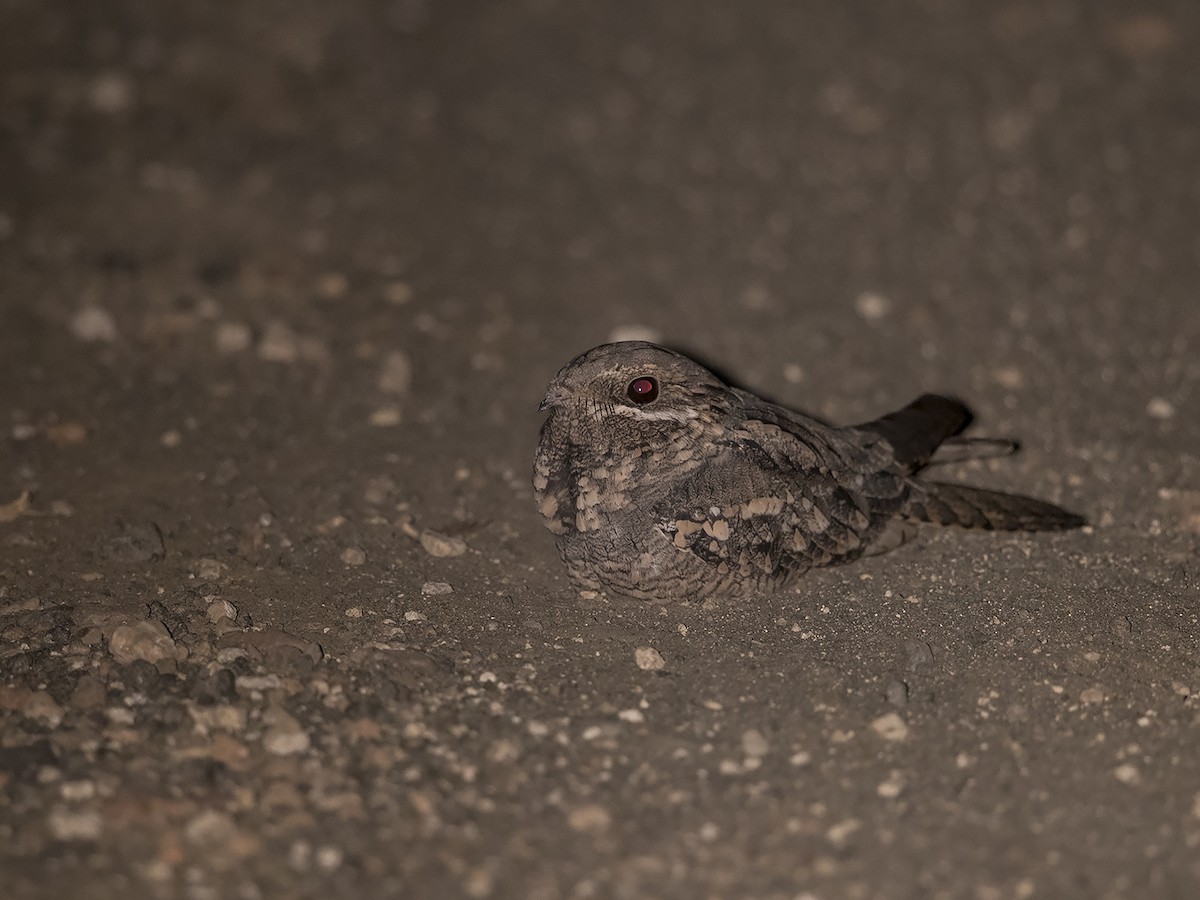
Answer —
(952, 504)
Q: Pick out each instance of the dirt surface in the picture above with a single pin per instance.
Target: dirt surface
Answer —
(281, 284)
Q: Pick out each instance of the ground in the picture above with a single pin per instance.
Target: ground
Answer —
(281, 284)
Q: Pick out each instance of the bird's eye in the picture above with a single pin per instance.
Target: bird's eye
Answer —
(643, 390)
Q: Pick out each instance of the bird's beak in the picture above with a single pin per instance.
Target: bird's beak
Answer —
(556, 395)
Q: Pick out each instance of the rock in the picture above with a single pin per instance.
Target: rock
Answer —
(232, 337)
(135, 544)
(919, 654)
(284, 737)
(279, 343)
(896, 692)
(71, 825)
(37, 705)
(354, 556)
(590, 818)
(148, 640)
(67, 434)
(872, 306)
(648, 659)
(142, 676)
(438, 544)
(210, 829)
(890, 727)
(221, 609)
(263, 642)
(395, 373)
(14, 509)
(754, 744)
(224, 717)
(434, 588)
(111, 93)
(386, 417)
(93, 324)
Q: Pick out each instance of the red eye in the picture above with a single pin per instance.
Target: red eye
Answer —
(643, 390)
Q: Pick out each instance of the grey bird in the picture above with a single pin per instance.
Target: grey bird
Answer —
(661, 481)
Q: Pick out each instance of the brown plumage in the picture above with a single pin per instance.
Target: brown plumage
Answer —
(661, 481)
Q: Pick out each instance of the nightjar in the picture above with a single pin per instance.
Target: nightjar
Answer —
(661, 481)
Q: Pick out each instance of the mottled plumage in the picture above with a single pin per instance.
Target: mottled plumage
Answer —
(661, 481)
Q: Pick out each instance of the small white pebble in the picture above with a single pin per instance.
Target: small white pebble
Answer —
(1160, 408)
(754, 744)
(438, 544)
(413, 616)
(354, 556)
(1127, 774)
(354, 612)
(890, 727)
(171, 439)
(631, 715)
(800, 758)
(891, 787)
(385, 417)
(435, 588)
(872, 306)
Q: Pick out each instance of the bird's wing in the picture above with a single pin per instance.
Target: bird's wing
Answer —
(783, 494)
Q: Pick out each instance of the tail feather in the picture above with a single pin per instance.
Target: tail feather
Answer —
(917, 430)
(952, 504)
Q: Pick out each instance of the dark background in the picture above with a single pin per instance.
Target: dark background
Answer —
(281, 284)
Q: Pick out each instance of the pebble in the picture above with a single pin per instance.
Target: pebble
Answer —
(148, 640)
(93, 324)
(354, 612)
(438, 544)
(395, 373)
(872, 306)
(386, 417)
(919, 654)
(330, 858)
(221, 609)
(1160, 408)
(111, 93)
(232, 337)
(171, 439)
(285, 737)
(210, 829)
(413, 616)
(589, 818)
(279, 343)
(890, 727)
(754, 744)
(37, 705)
(891, 787)
(1094, 694)
(71, 825)
(1127, 773)
(397, 293)
(648, 659)
(896, 692)
(333, 285)
(631, 715)
(354, 556)
(434, 588)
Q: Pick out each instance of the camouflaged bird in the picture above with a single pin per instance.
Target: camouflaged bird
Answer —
(661, 481)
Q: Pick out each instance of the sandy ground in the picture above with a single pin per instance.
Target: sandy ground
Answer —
(281, 284)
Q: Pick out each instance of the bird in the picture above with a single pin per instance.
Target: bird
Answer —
(662, 482)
